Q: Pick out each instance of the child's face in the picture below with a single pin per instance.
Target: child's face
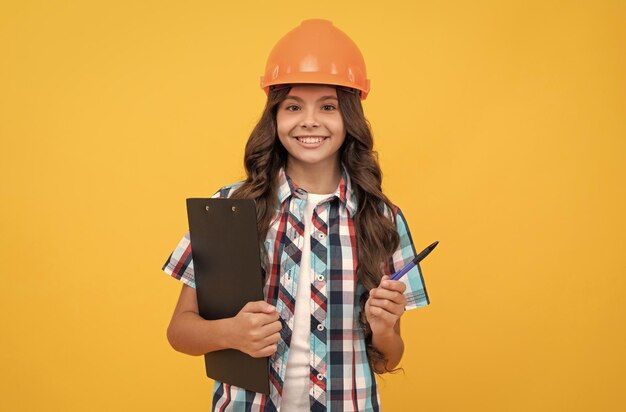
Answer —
(310, 125)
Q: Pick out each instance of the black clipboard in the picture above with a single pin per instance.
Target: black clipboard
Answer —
(227, 271)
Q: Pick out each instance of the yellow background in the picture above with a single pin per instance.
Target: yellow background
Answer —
(501, 128)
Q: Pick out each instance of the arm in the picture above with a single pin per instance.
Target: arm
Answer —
(383, 310)
(254, 330)
(388, 302)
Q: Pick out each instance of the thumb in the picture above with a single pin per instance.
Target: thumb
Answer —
(258, 306)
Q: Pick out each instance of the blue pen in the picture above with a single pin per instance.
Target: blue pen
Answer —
(414, 262)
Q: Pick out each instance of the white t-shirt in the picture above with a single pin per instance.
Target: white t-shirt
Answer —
(296, 386)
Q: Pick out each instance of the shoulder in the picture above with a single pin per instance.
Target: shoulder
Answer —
(227, 191)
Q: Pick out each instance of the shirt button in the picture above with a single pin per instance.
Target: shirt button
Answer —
(320, 327)
(321, 236)
(320, 376)
(320, 277)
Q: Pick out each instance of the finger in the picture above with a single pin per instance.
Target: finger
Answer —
(392, 295)
(393, 285)
(259, 334)
(267, 318)
(270, 309)
(383, 314)
(379, 312)
(271, 328)
(258, 306)
(388, 306)
(266, 351)
(270, 340)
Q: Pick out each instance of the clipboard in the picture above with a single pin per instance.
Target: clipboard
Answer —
(227, 271)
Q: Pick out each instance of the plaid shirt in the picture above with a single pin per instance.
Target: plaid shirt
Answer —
(340, 376)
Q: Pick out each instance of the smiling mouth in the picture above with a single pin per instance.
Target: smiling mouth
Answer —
(311, 139)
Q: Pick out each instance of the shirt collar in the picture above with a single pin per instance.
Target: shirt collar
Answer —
(344, 192)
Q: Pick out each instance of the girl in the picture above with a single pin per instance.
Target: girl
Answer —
(331, 316)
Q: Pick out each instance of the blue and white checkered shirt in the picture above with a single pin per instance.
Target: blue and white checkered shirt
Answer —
(340, 375)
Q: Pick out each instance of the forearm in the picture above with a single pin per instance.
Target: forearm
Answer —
(191, 334)
(391, 346)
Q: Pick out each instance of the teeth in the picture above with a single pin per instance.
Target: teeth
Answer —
(310, 139)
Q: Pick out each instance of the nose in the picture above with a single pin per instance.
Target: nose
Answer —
(309, 119)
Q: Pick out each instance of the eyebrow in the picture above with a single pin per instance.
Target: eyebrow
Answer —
(299, 99)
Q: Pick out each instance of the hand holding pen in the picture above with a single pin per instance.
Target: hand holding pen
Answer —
(386, 303)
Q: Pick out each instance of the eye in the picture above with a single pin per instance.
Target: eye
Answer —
(292, 108)
(328, 107)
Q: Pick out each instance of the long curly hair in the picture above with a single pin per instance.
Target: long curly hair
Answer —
(375, 230)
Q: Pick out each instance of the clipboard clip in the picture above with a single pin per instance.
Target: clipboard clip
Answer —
(233, 208)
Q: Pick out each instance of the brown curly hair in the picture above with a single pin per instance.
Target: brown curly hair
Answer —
(375, 228)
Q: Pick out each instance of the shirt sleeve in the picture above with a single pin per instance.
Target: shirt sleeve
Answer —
(415, 294)
(179, 264)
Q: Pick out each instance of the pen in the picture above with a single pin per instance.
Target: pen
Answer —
(411, 264)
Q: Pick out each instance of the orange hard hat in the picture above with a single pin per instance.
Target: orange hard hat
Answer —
(316, 52)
